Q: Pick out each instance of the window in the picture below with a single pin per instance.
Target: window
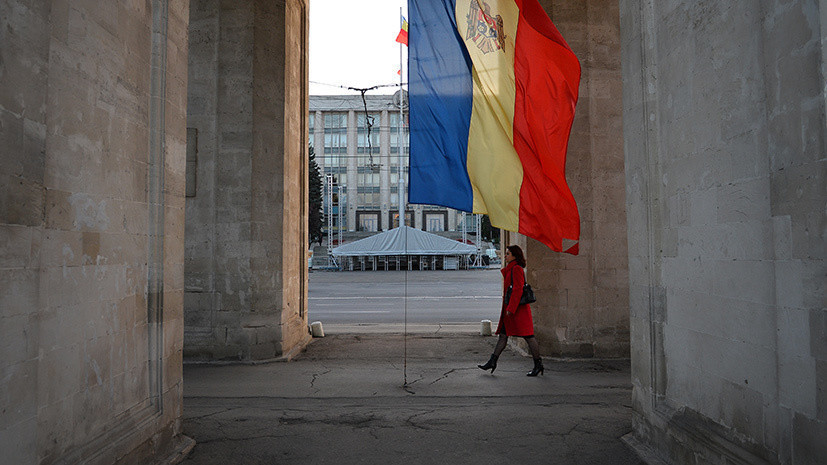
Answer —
(435, 222)
(394, 121)
(362, 133)
(335, 139)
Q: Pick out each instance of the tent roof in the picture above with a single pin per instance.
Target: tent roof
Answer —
(404, 241)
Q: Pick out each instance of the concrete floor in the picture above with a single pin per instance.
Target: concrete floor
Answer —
(343, 401)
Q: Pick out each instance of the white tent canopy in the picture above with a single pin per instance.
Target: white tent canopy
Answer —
(403, 241)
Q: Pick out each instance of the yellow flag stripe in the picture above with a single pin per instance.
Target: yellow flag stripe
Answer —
(494, 168)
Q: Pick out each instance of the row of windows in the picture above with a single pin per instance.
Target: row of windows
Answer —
(364, 200)
(339, 161)
(332, 147)
(341, 181)
(370, 222)
(337, 138)
(337, 119)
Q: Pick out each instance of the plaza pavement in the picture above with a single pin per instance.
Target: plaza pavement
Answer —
(344, 400)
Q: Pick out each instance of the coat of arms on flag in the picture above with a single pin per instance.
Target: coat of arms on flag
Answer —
(483, 29)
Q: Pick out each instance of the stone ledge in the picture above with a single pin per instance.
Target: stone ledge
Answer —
(184, 445)
(642, 450)
(687, 437)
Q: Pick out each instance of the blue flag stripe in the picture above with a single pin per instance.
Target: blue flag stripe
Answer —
(441, 95)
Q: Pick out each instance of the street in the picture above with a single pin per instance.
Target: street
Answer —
(431, 297)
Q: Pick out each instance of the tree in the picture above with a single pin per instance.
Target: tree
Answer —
(314, 208)
(489, 233)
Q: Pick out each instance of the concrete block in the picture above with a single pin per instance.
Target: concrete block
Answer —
(797, 383)
(263, 351)
(742, 408)
(18, 395)
(751, 281)
(19, 441)
(743, 200)
(818, 333)
(808, 436)
(316, 329)
(485, 328)
(19, 290)
(703, 207)
(821, 390)
(21, 201)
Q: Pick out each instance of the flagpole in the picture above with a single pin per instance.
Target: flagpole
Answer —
(400, 183)
(401, 197)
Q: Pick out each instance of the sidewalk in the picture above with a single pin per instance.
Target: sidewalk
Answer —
(343, 401)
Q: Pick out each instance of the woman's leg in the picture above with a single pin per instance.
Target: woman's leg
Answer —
(533, 346)
(500, 345)
(491, 364)
(535, 353)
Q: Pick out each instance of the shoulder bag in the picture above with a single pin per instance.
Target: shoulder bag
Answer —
(528, 292)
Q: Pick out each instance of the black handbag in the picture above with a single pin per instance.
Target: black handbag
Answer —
(528, 293)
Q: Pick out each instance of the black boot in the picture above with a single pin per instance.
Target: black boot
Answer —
(538, 368)
(490, 364)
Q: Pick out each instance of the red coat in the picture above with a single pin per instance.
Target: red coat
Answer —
(518, 322)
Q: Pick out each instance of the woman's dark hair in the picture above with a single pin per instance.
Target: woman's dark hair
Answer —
(517, 253)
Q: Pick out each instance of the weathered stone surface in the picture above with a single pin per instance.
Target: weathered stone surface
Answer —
(244, 252)
(79, 105)
(720, 105)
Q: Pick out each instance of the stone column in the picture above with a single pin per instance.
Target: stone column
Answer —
(582, 301)
(92, 112)
(246, 252)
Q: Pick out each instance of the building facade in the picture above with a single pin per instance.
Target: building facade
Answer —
(357, 146)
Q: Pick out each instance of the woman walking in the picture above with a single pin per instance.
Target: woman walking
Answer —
(515, 319)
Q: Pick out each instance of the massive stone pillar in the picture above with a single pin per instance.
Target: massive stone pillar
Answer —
(92, 137)
(246, 236)
(725, 142)
(582, 304)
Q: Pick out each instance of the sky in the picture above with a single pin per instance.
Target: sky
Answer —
(352, 44)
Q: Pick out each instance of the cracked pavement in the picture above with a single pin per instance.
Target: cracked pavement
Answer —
(343, 401)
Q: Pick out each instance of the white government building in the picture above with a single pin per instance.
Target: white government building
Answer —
(361, 172)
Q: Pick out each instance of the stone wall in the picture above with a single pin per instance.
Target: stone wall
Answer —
(92, 131)
(246, 240)
(582, 304)
(724, 113)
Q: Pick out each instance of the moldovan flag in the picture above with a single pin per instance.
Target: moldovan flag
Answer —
(402, 37)
(492, 91)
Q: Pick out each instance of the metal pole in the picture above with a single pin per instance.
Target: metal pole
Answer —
(329, 201)
(339, 214)
(400, 185)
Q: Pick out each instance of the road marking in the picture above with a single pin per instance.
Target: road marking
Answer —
(409, 298)
(361, 311)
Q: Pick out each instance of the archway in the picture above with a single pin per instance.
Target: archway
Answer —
(245, 277)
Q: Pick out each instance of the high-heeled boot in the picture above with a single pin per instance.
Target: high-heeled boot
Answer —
(490, 364)
(538, 368)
